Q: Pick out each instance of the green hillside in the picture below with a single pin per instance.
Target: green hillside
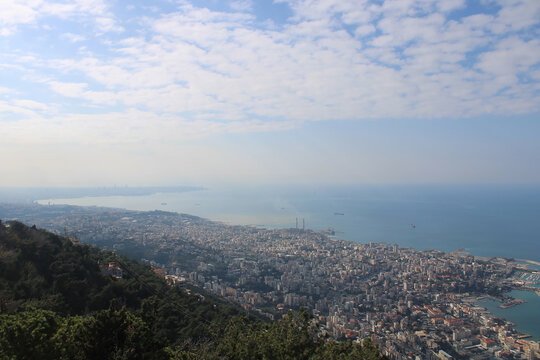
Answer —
(58, 300)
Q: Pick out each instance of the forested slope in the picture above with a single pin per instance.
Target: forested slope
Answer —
(56, 302)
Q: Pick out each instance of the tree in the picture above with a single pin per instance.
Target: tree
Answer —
(28, 335)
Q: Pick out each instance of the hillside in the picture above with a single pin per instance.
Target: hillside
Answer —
(64, 300)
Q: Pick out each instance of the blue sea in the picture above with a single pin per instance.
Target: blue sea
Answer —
(526, 317)
(485, 220)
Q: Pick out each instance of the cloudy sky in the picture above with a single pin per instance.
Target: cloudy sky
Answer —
(105, 92)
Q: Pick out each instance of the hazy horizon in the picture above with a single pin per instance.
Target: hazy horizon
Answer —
(97, 92)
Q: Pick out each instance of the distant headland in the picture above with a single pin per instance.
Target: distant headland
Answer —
(20, 194)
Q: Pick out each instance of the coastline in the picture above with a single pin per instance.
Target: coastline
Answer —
(519, 314)
(532, 262)
(360, 224)
(521, 331)
(445, 219)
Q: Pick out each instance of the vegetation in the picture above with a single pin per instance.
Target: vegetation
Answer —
(294, 337)
(56, 303)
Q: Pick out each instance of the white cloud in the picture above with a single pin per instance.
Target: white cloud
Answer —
(73, 37)
(332, 60)
(78, 91)
(129, 127)
(15, 13)
(76, 7)
(364, 30)
(153, 80)
(31, 104)
(450, 5)
(242, 5)
(8, 108)
(106, 24)
(68, 89)
(204, 61)
(516, 15)
(18, 12)
(5, 90)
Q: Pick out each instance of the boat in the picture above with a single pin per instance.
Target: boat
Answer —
(338, 213)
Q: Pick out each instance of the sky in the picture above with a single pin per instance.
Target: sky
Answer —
(109, 92)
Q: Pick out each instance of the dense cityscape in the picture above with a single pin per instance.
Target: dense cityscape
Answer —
(414, 304)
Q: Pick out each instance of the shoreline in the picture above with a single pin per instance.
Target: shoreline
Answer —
(514, 301)
(532, 262)
(491, 312)
(459, 251)
(231, 222)
(482, 302)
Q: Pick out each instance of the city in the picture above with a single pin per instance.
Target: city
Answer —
(414, 304)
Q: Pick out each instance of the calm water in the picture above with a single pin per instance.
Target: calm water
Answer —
(525, 316)
(485, 220)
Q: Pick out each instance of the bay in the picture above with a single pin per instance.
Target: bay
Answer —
(484, 220)
(488, 220)
(526, 316)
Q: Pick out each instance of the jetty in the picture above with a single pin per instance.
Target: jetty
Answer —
(529, 261)
(512, 303)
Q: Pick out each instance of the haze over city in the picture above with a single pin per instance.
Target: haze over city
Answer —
(97, 92)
